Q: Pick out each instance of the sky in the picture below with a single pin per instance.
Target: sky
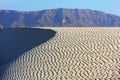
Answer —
(108, 6)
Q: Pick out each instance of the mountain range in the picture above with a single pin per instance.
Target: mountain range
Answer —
(60, 17)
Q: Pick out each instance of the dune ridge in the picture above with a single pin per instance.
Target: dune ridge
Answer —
(72, 54)
(15, 42)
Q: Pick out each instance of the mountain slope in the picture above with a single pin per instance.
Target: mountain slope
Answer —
(57, 17)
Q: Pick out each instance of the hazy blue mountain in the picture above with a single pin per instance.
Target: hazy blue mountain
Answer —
(57, 17)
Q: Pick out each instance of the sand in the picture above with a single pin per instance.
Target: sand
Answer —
(72, 54)
(15, 42)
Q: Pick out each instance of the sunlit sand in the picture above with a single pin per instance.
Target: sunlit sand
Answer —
(72, 54)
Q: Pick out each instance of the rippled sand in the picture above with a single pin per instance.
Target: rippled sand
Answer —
(73, 54)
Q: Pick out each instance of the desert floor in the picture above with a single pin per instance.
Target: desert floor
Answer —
(72, 54)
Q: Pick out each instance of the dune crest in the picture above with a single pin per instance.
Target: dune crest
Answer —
(72, 54)
(15, 42)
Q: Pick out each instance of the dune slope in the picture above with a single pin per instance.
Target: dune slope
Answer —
(73, 54)
(15, 42)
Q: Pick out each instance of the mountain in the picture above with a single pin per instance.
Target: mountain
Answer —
(57, 17)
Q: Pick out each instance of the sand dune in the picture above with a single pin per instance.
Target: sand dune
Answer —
(72, 54)
(15, 42)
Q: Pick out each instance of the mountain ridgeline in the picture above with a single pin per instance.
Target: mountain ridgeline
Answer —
(60, 17)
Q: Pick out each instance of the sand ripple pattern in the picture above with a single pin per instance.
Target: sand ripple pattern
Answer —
(73, 54)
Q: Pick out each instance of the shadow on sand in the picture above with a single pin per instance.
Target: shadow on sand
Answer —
(15, 42)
